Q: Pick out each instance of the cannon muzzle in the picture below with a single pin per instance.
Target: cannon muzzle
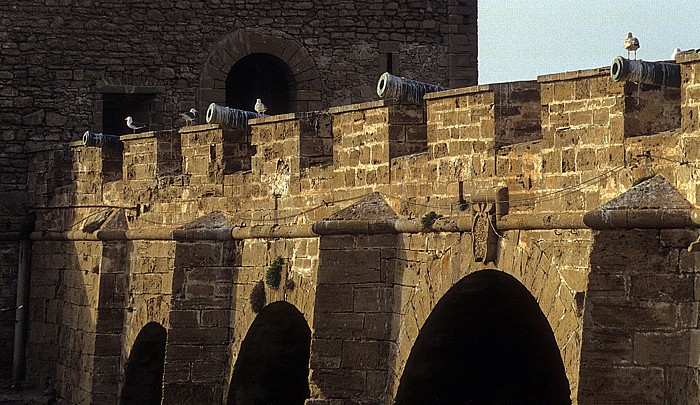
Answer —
(100, 140)
(639, 71)
(404, 90)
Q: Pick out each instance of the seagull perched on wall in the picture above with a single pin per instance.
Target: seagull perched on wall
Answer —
(133, 124)
(260, 107)
(631, 44)
(675, 53)
(189, 116)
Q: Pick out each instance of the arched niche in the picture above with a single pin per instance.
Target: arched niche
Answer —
(273, 361)
(143, 379)
(263, 76)
(485, 342)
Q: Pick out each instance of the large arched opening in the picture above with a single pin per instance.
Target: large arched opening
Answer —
(263, 76)
(143, 381)
(273, 361)
(485, 342)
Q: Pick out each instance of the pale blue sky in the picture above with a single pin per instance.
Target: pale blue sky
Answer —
(519, 40)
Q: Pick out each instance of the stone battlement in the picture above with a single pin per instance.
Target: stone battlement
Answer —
(531, 137)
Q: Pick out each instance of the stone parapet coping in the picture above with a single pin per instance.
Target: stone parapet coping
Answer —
(197, 128)
(577, 74)
(140, 135)
(266, 119)
(361, 106)
(523, 84)
(597, 219)
(688, 57)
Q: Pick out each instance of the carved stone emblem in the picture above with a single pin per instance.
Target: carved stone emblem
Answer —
(483, 232)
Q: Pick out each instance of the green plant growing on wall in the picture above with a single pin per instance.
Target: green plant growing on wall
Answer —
(257, 297)
(429, 219)
(273, 277)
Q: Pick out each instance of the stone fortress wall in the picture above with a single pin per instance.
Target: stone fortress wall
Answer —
(540, 225)
(70, 66)
(594, 228)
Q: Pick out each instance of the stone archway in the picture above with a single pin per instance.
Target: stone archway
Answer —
(143, 380)
(486, 341)
(304, 79)
(264, 76)
(273, 361)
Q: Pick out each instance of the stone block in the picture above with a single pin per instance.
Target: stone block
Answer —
(184, 353)
(607, 346)
(372, 299)
(682, 385)
(649, 316)
(666, 349)
(334, 298)
(663, 287)
(354, 266)
(622, 385)
(326, 353)
(202, 336)
(339, 325)
(340, 383)
(360, 355)
(198, 254)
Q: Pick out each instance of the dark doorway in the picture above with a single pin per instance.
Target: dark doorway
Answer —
(144, 371)
(273, 362)
(486, 342)
(263, 76)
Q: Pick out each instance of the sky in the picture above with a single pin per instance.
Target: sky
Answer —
(521, 39)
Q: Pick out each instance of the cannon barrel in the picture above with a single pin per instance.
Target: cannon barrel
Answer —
(100, 140)
(638, 71)
(405, 90)
(229, 117)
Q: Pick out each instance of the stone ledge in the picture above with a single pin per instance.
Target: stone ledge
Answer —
(361, 106)
(196, 128)
(686, 57)
(134, 137)
(517, 85)
(577, 74)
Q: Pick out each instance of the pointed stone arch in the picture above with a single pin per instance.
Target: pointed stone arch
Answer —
(519, 256)
(485, 341)
(273, 361)
(143, 381)
(305, 82)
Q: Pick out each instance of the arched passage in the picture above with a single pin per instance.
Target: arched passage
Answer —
(143, 382)
(273, 361)
(485, 342)
(263, 76)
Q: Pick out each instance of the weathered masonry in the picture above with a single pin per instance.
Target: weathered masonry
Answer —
(75, 65)
(529, 241)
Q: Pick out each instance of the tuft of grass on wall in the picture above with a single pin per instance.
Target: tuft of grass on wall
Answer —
(273, 277)
(257, 297)
(429, 219)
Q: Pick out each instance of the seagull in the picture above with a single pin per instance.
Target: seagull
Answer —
(189, 116)
(133, 124)
(675, 53)
(260, 107)
(631, 44)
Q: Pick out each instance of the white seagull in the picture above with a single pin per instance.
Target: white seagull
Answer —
(189, 116)
(133, 124)
(260, 107)
(631, 44)
(675, 53)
